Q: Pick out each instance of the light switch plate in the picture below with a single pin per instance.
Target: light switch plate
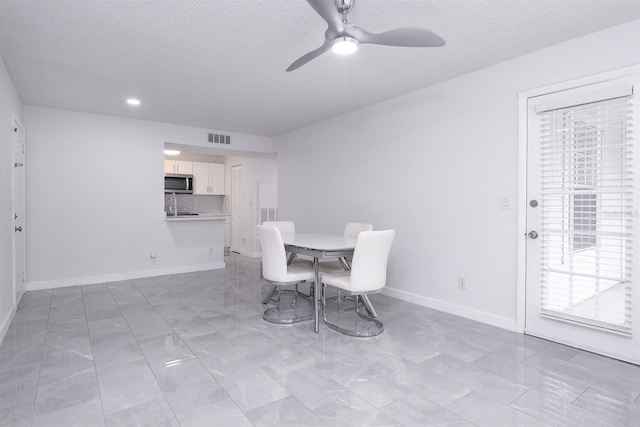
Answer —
(505, 203)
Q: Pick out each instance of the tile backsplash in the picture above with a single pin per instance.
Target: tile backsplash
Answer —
(198, 204)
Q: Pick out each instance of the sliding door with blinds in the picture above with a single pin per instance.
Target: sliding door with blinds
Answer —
(582, 219)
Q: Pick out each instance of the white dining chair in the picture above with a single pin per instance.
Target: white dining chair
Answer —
(368, 275)
(276, 271)
(351, 229)
(285, 227)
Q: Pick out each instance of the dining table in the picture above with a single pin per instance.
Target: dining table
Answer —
(319, 246)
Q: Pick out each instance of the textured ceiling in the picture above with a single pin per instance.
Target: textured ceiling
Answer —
(221, 64)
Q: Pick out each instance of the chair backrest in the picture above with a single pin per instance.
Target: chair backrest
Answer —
(285, 227)
(274, 259)
(369, 266)
(352, 229)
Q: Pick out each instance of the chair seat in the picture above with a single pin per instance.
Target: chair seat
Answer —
(368, 275)
(339, 279)
(331, 267)
(302, 263)
(299, 273)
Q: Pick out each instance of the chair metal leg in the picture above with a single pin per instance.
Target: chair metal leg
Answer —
(295, 297)
(269, 294)
(290, 313)
(368, 306)
(290, 257)
(366, 302)
(365, 299)
(340, 298)
(345, 263)
(377, 328)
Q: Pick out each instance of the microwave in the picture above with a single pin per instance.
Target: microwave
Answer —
(178, 184)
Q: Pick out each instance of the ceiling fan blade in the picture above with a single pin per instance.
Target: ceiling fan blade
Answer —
(328, 12)
(309, 56)
(409, 37)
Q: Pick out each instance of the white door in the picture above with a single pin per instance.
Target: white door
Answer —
(18, 208)
(582, 218)
(236, 192)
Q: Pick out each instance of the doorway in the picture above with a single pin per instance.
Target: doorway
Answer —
(581, 230)
(18, 212)
(236, 214)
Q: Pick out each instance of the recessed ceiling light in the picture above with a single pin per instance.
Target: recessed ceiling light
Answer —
(171, 152)
(133, 101)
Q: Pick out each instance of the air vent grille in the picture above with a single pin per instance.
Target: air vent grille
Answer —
(218, 138)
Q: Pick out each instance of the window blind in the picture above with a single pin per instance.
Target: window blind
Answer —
(586, 201)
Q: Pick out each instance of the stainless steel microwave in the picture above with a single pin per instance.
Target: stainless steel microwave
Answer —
(178, 184)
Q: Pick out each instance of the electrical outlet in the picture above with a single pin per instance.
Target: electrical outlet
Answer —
(210, 251)
(462, 284)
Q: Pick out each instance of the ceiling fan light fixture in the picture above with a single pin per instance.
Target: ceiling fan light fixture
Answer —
(344, 45)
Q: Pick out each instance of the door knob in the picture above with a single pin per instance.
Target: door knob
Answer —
(19, 228)
(533, 234)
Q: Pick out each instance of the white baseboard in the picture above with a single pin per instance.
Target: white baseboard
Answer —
(467, 313)
(90, 280)
(250, 254)
(4, 326)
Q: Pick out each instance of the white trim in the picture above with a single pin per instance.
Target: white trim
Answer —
(523, 98)
(582, 81)
(562, 339)
(249, 254)
(467, 313)
(6, 322)
(521, 233)
(619, 92)
(15, 120)
(89, 280)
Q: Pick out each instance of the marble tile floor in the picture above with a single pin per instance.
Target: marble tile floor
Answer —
(193, 350)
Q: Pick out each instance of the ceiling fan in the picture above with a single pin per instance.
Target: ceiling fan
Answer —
(343, 37)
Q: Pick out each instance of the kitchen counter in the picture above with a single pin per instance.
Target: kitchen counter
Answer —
(203, 217)
(199, 241)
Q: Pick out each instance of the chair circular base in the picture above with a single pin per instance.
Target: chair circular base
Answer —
(379, 328)
(280, 317)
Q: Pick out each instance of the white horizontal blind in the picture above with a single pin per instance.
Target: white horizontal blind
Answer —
(586, 192)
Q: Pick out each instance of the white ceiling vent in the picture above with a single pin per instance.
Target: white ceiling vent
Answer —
(218, 138)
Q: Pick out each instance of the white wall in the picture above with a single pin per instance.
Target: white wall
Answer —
(433, 165)
(10, 106)
(95, 200)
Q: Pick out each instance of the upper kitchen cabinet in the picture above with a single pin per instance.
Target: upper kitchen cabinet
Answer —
(208, 178)
(178, 166)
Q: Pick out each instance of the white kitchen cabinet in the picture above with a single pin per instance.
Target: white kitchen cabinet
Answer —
(216, 178)
(178, 166)
(200, 178)
(208, 178)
